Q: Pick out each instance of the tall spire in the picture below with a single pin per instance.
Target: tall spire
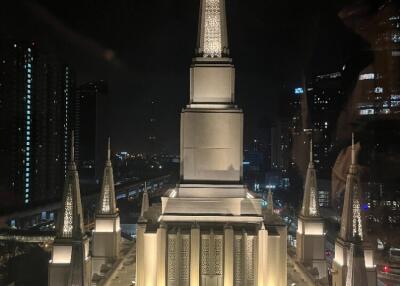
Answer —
(351, 225)
(107, 203)
(310, 205)
(70, 222)
(212, 41)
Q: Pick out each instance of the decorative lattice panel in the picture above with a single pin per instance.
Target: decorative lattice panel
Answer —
(212, 29)
(172, 259)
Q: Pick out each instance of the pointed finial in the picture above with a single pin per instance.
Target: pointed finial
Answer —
(145, 186)
(353, 155)
(109, 149)
(311, 151)
(72, 146)
(270, 202)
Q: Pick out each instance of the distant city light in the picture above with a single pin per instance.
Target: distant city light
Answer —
(366, 76)
(298, 90)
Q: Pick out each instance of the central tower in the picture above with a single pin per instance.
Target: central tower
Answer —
(210, 230)
(211, 125)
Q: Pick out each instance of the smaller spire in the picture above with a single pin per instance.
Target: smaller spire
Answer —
(270, 202)
(107, 204)
(72, 159)
(70, 222)
(109, 149)
(310, 206)
(351, 226)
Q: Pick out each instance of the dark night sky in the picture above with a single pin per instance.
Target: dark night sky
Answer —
(143, 49)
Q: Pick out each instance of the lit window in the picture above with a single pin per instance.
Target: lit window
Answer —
(366, 76)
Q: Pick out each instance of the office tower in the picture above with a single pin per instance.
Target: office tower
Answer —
(36, 90)
(91, 129)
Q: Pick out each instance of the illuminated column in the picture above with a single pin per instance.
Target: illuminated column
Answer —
(282, 256)
(161, 255)
(273, 270)
(228, 255)
(140, 274)
(195, 256)
(262, 256)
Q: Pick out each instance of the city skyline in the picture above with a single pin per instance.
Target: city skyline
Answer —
(203, 142)
(131, 68)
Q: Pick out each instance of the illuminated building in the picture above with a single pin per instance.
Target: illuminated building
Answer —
(36, 91)
(210, 229)
(106, 237)
(378, 86)
(70, 262)
(351, 233)
(310, 232)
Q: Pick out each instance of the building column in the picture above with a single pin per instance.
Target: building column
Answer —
(262, 256)
(140, 275)
(161, 253)
(244, 257)
(195, 256)
(283, 254)
(228, 256)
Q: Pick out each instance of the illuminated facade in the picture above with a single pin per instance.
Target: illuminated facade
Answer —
(351, 237)
(310, 232)
(210, 229)
(70, 262)
(106, 237)
(36, 90)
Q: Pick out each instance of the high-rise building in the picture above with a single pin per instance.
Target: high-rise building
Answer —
(36, 90)
(91, 129)
(210, 229)
(378, 88)
(324, 94)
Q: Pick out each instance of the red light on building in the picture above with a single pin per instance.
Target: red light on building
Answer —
(386, 269)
